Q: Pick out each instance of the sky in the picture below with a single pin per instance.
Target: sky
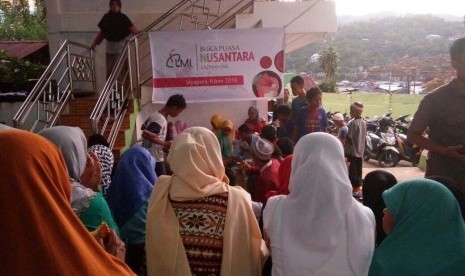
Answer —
(362, 7)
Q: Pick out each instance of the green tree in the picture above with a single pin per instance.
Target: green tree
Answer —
(378, 41)
(328, 61)
(21, 21)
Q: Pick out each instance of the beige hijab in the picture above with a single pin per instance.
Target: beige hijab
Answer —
(198, 172)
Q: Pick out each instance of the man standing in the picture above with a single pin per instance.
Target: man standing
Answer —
(298, 90)
(313, 117)
(114, 26)
(155, 130)
(443, 112)
(355, 145)
(286, 100)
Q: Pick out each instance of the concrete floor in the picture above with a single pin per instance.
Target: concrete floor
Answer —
(402, 171)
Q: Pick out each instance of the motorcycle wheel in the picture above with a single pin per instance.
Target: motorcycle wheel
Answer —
(388, 158)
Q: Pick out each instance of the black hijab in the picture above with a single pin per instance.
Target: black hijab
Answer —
(374, 184)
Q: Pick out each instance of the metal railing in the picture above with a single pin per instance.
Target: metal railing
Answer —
(71, 69)
(124, 85)
(112, 104)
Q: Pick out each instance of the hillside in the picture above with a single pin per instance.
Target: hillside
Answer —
(383, 42)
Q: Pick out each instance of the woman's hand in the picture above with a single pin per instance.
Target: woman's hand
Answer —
(115, 246)
(92, 174)
(108, 239)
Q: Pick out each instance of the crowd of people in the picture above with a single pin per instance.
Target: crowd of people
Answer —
(265, 199)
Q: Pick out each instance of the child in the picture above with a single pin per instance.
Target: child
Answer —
(312, 118)
(342, 128)
(355, 145)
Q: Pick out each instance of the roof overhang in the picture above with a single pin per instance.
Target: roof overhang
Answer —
(21, 49)
(304, 22)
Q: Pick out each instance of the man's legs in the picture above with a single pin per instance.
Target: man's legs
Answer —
(111, 62)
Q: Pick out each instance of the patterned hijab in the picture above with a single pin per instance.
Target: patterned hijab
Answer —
(198, 172)
(40, 234)
(132, 184)
(428, 237)
(106, 163)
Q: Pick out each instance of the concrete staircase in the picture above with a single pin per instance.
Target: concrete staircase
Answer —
(79, 110)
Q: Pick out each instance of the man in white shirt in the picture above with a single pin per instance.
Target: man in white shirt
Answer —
(155, 130)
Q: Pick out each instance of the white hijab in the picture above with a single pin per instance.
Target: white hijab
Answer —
(320, 209)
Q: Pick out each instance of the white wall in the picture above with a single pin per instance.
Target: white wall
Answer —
(199, 114)
(77, 21)
(8, 111)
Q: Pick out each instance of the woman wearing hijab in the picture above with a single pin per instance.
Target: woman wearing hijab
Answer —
(374, 184)
(196, 222)
(128, 195)
(425, 231)
(253, 120)
(319, 228)
(179, 126)
(216, 122)
(225, 137)
(85, 174)
(40, 234)
(223, 130)
(105, 155)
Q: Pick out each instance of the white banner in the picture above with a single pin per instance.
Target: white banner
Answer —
(218, 65)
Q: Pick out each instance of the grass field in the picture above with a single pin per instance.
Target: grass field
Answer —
(375, 104)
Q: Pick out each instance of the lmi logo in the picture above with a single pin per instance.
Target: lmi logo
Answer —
(175, 60)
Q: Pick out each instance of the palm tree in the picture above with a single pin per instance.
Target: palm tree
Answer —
(329, 60)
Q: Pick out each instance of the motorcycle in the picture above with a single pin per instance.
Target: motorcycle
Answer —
(389, 155)
(371, 146)
(401, 124)
(407, 151)
(373, 124)
(381, 143)
(386, 141)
